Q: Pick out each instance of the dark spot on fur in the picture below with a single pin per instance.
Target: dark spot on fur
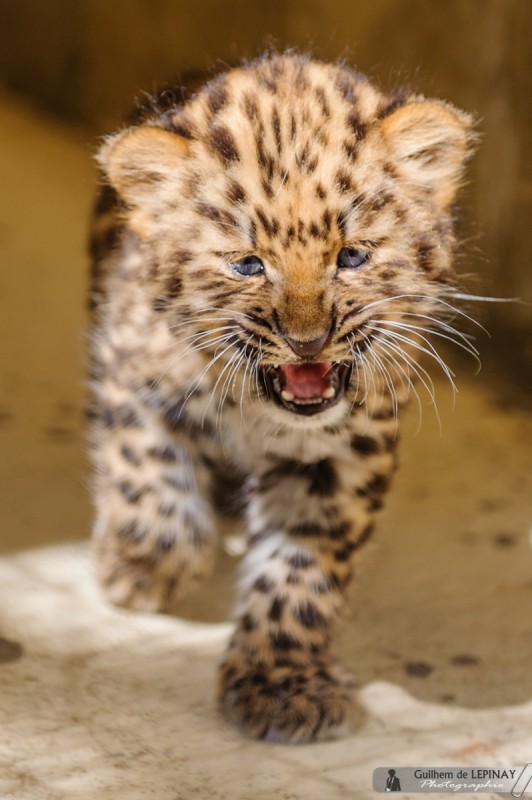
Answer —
(132, 532)
(343, 181)
(264, 221)
(383, 413)
(303, 155)
(283, 641)
(268, 82)
(251, 107)
(293, 578)
(378, 484)
(276, 125)
(390, 170)
(248, 622)
(217, 96)
(321, 475)
(129, 455)
(309, 616)
(375, 487)
(253, 233)
(351, 150)
(301, 560)
(364, 445)
(425, 256)
(389, 443)
(356, 125)
(312, 163)
(160, 303)
(344, 553)
(183, 483)
(167, 509)
(236, 193)
(381, 200)
(388, 274)
(346, 87)
(265, 160)
(276, 608)
(314, 230)
(341, 222)
(196, 536)
(209, 212)
(165, 542)
(322, 100)
(340, 531)
(321, 586)
(293, 127)
(222, 141)
(164, 453)
(131, 493)
(375, 504)
(263, 584)
(364, 536)
(173, 287)
(335, 580)
(275, 226)
(267, 188)
(307, 529)
(177, 419)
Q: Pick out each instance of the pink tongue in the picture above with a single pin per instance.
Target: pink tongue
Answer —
(306, 381)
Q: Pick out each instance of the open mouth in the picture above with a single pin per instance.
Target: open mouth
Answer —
(306, 388)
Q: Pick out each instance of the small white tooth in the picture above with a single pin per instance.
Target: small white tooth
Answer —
(287, 395)
(328, 393)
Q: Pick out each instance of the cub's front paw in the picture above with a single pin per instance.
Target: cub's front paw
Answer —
(149, 581)
(287, 702)
(139, 586)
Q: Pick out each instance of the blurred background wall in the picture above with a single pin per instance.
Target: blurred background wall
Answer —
(86, 60)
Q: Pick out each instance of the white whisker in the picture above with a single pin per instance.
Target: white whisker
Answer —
(410, 385)
(418, 329)
(429, 350)
(417, 369)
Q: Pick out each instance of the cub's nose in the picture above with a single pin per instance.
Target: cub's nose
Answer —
(309, 348)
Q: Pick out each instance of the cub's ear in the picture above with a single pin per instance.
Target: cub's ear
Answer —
(140, 161)
(430, 141)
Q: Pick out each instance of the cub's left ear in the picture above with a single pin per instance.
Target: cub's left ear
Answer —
(430, 141)
(141, 161)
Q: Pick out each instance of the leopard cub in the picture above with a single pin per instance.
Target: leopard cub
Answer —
(270, 258)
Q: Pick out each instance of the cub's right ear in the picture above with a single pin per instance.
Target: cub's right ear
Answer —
(429, 141)
(140, 162)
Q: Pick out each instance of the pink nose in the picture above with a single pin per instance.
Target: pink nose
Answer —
(309, 348)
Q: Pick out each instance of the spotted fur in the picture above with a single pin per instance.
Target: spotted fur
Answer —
(288, 160)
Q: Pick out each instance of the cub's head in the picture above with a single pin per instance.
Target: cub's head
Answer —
(300, 216)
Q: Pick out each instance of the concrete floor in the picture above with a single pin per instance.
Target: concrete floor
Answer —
(104, 704)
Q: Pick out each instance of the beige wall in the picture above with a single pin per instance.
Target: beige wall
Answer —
(86, 59)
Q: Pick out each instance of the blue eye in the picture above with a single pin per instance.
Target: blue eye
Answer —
(250, 265)
(352, 257)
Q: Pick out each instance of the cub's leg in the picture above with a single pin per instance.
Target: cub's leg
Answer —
(308, 524)
(154, 534)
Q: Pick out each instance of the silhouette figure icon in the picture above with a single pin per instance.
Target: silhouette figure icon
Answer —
(392, 782)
